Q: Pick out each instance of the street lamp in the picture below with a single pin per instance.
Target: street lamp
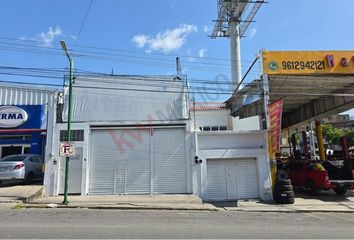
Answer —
(68, 134)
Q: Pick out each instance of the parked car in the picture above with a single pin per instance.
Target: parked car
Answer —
(314, 177)
(25, 167)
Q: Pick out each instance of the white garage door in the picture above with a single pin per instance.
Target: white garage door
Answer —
(232, 179)
(169, 161)
(137, 161)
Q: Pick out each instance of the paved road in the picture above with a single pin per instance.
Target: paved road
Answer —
(84, 223)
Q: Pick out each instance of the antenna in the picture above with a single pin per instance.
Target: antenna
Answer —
(232, 24)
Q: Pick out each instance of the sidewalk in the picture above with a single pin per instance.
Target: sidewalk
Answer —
(324, 202)
(144, 202)
(19, 193)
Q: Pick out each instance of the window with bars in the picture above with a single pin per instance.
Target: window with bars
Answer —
(76, 136)
(213, 128)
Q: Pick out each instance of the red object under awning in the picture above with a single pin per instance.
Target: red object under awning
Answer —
(21, 130)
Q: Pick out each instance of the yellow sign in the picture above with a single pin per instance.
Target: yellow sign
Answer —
(308, 62)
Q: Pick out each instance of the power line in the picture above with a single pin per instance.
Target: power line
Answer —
(103, 56)
(184, 91)
(128, 51)
(83, 22)
(94, 57)
(59, 73)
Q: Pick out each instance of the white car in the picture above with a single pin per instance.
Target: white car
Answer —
(25, 167)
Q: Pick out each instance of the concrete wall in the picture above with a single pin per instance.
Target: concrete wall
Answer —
(127, 98)
(231, 145)
(224, 118)
(247, 124)
(210, 118)
(54, 161)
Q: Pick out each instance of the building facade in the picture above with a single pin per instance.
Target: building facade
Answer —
(130, 137)
(24, 111)
(136, 135)
(230, 155)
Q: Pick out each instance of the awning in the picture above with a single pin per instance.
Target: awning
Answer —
(305, 97)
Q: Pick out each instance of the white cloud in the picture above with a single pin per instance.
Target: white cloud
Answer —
(201, 52)
(166, 41)
(206, 29)
(253, 33)
(140, 40)
(46, 39)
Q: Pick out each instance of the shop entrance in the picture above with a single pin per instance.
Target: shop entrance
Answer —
(7, 150)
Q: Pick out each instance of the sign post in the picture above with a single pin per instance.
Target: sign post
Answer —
(68, 134)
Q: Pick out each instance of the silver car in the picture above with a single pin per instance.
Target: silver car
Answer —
(26, 167)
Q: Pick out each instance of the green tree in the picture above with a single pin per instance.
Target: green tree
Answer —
(349, 133)
(332, 134)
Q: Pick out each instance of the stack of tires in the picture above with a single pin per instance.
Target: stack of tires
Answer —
(283, 191)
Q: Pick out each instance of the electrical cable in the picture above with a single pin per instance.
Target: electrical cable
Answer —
(83, 22)
(130, 51)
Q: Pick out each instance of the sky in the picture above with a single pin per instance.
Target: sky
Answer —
(145, 37)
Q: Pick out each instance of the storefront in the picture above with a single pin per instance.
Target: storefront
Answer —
(22, 129)
(131, 141)
(296, 88)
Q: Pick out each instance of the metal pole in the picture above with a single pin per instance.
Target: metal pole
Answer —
(68, 131)
(313, 148)
(235, 49)
(321, 148)
(304, 142)
(272, 166)
(195, 126)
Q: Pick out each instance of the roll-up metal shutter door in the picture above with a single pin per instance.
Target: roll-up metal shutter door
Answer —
(247, 179)
(120, 162)
(216, 178)
(169, 161)
(102, 163)
(232, 179)
(138, 162)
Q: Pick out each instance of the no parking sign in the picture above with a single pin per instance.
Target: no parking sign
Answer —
(67, 150)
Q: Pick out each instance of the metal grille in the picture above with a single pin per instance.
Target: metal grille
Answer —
(20, 95)
(76, 135)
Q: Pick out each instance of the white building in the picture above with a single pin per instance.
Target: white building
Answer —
(215, 116)
(232, 158)
(130, 137)
(134, 135)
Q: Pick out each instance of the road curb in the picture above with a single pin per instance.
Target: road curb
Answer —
(33, 196)
(292, 211)
(11, 201)
(120, 207)
(181, 208)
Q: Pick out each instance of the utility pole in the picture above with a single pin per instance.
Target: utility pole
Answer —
(232, 24)
(68, 134)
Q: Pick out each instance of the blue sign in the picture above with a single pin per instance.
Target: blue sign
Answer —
(22, 116)
(19, 119)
